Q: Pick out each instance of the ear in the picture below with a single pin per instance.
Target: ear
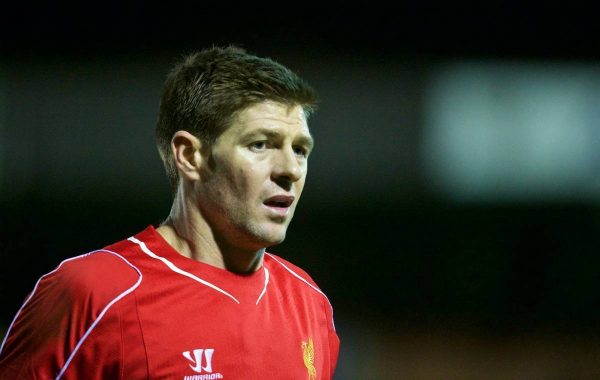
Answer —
(186, 150)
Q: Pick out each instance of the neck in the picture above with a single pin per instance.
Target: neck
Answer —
(191, 236)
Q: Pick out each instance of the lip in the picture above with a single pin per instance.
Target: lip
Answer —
(279, 204)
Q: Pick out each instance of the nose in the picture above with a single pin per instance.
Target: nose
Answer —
(287, 167)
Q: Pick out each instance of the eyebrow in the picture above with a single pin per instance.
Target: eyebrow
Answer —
(302, 139)
(307, 140)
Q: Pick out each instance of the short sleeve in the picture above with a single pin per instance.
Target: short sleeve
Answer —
(58, 322)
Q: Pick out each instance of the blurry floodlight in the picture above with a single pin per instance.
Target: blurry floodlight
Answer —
(513, 132)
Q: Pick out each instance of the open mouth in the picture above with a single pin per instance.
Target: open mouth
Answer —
(279, 201)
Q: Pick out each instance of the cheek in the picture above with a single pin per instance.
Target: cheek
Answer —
(300, 183)
(245, 184)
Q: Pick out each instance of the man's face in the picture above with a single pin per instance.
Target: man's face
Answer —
(254, 175)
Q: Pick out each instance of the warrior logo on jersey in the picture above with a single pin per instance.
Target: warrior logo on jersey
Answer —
(308, 353)
(201, 362)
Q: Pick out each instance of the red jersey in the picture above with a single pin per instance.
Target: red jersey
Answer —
(139, 310)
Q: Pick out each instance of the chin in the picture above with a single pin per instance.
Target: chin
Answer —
(270, 238)
(275, 240)
(263, 235)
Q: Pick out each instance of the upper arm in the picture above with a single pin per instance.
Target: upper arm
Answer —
(56, 323)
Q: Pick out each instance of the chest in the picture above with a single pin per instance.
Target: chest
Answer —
(191, 331)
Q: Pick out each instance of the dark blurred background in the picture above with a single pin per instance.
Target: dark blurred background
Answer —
(451, 211)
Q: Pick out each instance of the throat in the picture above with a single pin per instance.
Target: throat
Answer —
(243, 263)
(193, 244)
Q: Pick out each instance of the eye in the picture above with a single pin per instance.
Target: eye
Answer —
(258, 146)
(301, 151)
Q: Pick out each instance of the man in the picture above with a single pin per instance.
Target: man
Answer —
(198, 297)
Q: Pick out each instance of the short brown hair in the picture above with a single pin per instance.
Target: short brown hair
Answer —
(205, 90)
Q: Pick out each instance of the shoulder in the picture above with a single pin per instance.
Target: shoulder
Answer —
(295, 280)
(62, 310)
(78, 290)
(102, 273)
(285, 268)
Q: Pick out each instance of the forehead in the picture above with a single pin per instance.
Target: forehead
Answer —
(270, 114)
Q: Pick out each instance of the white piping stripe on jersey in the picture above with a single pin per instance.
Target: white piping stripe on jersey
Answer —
(89, 330)
(97, 319)
(306, 282)
(31, 295)
(177, 270)
(297, 275)
(265, 288)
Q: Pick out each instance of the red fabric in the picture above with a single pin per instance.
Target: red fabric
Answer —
(146, 321)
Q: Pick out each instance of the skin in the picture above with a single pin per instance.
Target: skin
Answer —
(224, 212)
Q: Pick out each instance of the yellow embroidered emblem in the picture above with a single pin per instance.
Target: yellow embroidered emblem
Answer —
(308, 352)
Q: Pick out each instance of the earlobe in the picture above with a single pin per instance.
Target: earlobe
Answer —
(186, 152)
